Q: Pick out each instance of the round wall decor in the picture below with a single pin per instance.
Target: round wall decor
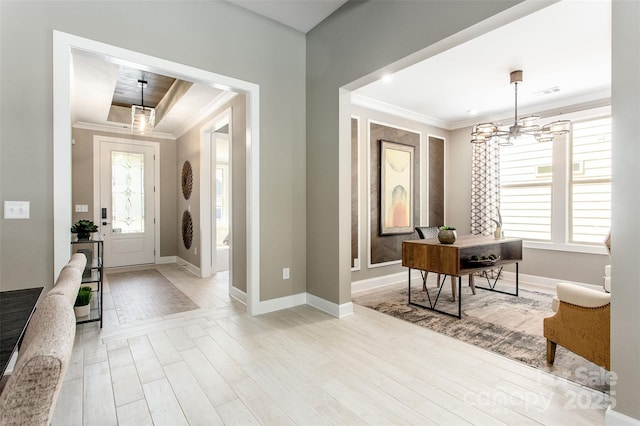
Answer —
(187, 179)
(187, 229)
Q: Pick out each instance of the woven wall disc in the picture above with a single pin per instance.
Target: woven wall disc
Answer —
(187, 229)
(187, 180)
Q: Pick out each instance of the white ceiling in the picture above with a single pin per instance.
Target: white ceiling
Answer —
(567, 44)
(301, 15)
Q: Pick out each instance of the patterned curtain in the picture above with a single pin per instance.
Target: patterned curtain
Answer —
(485, 187)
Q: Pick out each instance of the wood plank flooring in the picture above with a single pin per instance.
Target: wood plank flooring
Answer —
(217, 365)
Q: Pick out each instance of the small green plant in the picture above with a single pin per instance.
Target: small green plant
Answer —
(84, 227)
(447, 228)
(84, 296)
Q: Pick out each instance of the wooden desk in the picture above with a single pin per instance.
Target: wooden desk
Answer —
(16, 308)
(456, 260)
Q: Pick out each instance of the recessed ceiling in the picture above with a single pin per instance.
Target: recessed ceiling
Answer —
(563, 49)
(102, 92)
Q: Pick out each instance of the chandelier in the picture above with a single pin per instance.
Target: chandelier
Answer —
(522, 127)
(142, 118)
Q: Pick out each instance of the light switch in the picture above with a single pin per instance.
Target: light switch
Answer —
(82, 208)
(16, 210)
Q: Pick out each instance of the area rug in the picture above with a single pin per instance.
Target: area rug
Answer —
(144, 294)
(507, 325)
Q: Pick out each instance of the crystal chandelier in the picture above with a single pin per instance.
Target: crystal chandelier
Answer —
(521, 128)
(142, 118)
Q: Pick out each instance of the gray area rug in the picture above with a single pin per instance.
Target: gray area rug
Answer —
(144, 294)
(507, 325)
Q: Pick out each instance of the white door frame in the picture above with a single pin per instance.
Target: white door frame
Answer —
(156, 176)
(64, 45)
(207, 179)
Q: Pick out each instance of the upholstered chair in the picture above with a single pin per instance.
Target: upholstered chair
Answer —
(581, 324)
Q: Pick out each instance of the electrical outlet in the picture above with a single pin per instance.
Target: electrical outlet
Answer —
(195, 250)
(285, 273)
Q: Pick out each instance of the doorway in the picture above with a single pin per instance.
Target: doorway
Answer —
(127, 193)
(64, 46)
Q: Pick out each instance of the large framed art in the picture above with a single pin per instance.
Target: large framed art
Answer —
(396, 188)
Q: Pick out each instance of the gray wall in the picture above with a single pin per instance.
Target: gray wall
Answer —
(82, 182)
(366, 114)
(214, 36)
(189, 149)
(356, 41)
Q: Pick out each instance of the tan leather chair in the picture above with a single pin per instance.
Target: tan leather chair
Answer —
(581, 324)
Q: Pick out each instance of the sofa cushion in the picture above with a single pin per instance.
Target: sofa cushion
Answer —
(67, 284)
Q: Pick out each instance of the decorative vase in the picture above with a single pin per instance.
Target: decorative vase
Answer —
(82, 311)
(83, 235)
(447, 236)
(498, 233)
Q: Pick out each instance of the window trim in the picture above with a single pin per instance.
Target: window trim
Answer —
(561, 215)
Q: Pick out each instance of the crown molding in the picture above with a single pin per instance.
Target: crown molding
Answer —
(121, 130)
(377, 105)
(214, 105)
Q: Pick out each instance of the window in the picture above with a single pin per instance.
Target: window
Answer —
(559, 192)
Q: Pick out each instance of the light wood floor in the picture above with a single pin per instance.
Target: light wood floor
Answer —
(217, 365)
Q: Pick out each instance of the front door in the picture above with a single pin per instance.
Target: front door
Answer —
(127, 203)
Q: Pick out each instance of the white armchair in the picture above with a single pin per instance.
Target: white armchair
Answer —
(581, 324)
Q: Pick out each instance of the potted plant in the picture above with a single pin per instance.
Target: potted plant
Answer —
(83, 300)
(447, 234)
(84, 228)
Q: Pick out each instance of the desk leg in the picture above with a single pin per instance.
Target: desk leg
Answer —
(459, 297)
(517, 275)
(453, 288)
(409, 286)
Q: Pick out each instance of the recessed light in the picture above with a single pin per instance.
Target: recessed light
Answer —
(387, 78)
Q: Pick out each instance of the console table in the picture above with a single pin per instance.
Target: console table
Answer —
(16, 308)
(463, 257)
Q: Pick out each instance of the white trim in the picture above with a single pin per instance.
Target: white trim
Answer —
(384, 280)
(444, 178)
(544, 282)
(572, 248)
(383, 264)
(614, 418)
(63, 45)
(207, 180)
(369, 207)
(188, 266)
(330, 308)
(156, 176)
(166, 259)
(358, 265)
(397, 111)
(280, 303)
(212, 107)
(122, 130)
(239, 295)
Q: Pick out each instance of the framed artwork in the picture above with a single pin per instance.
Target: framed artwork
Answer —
(396, 188)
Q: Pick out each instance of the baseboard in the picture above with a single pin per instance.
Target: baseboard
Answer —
(272, 305)
(384, 280)
(614, 418)
(188, 266)
(166, 259)
(239, 295)
(331, 308)
(549, 283)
